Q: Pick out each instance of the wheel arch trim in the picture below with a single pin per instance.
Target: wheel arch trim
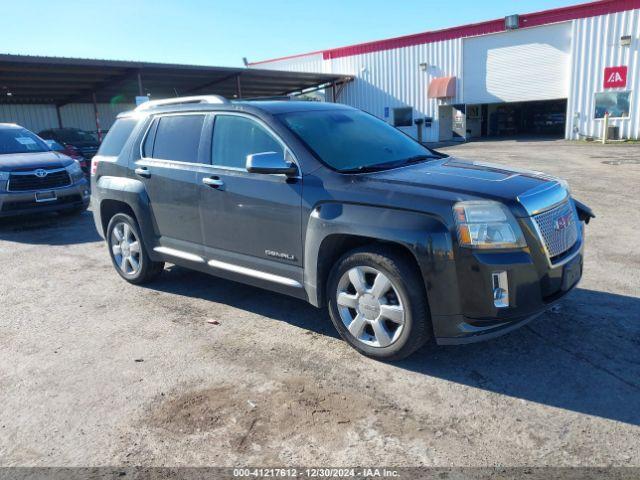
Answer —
(425, 236)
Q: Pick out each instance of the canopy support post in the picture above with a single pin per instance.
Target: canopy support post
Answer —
(140, 86)
(59, 115)
(238, 87)
(95, 111)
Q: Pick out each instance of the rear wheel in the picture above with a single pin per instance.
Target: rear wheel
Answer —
(128, 253)
(378, 304)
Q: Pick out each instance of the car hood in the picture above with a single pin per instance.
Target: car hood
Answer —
(28, 161)
(464, 180)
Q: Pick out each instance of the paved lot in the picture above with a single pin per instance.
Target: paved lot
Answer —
(94, 371)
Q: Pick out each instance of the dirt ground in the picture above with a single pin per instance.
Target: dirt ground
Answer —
(94, 371)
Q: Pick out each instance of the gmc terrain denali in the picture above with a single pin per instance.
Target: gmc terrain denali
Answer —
(332, 205)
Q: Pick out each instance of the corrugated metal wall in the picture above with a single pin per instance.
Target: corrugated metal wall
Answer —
(39, 117)
(596, 45)
(305, 63)
(392, 78)
(32, 117)
(82, 116)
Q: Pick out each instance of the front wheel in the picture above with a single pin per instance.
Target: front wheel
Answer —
(377, 302)
(128, 253)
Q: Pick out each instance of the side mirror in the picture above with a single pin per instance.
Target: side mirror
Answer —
(270, 163)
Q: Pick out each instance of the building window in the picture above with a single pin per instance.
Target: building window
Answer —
(403, 117)
(616, 104)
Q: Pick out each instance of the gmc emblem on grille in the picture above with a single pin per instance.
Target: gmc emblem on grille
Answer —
(562, 222)
(40, 173)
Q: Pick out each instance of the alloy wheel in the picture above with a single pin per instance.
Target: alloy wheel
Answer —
(370, 307)
(125, 247)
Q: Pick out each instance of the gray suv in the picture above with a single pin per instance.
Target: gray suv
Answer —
(36, 179)
(332, 205)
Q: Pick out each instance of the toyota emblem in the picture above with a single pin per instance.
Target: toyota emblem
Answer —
(40, 173)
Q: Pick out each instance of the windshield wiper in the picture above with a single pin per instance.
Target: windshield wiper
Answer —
(378, 167)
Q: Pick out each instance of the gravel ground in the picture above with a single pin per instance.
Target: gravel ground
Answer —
(194, 370)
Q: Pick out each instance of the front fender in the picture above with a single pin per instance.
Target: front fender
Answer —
(425, 236)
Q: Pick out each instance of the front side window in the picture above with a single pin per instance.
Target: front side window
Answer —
(20, 140)
(235, 137)
(354, 141)
(616, 104)
(177, 138)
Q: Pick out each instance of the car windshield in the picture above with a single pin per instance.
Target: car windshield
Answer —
(72, 135)
(53, 145)
(20, 140)
(354, 141)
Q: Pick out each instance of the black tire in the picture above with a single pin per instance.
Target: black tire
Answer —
(147, 270)
(407, 283)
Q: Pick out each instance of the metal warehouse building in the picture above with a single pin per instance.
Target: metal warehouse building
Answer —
(552, 72)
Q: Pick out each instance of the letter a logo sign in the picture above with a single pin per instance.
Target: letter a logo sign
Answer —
(615, 77)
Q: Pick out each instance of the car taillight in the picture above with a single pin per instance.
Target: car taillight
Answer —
(94, 166)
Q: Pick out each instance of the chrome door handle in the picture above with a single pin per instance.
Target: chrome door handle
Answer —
(214, 182)
(142, 172)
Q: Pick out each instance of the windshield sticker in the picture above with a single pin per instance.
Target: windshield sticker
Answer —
(25, 140)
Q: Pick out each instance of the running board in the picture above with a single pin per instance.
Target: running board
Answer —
(229, 267)
(250, 272)
(172, 252)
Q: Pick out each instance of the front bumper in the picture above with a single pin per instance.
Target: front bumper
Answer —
(24, 203)
(534, 287)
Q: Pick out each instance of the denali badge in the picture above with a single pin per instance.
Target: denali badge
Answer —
(40, 173)
(284, 256)
(562, 222)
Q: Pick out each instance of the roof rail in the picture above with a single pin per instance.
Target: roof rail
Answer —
(182, 101)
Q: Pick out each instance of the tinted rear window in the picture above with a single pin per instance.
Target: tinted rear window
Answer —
(178, 137)
(117, 137)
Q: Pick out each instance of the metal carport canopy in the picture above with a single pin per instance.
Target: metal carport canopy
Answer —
(60, 81)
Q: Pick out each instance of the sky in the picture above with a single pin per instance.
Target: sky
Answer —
(217, 32)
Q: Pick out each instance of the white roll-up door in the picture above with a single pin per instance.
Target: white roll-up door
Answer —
(519, 65)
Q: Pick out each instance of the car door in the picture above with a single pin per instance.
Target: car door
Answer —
(251, 222)
(171, 153)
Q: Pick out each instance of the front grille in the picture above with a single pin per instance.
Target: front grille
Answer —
(559, 229)
(30, 181)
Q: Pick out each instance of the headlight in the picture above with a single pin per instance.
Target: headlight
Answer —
(4, 178)
(487, 224)
(75, 170)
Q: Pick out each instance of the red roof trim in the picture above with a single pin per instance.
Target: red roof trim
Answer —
(288, 57)
(585, 10)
